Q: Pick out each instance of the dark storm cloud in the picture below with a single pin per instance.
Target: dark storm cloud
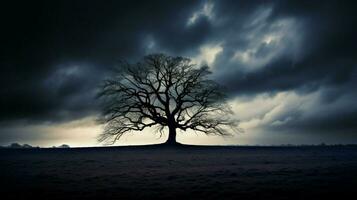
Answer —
(55, 53)
(44, 41)
(326, 48)
(318, 55)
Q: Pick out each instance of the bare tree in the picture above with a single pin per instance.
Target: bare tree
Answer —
(165, 92)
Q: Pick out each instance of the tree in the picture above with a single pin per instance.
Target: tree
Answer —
(164, 92)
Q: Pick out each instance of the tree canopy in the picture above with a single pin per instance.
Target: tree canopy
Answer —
(164, 92)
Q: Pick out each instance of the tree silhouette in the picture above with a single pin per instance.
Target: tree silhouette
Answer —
(165, 92)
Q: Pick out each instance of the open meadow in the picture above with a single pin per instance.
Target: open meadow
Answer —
(180, 173)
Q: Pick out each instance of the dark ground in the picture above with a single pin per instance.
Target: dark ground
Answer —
(184, 173)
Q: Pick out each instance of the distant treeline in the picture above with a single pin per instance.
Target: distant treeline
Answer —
(27, 146)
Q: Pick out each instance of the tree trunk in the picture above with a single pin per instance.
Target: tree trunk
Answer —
(172, 136)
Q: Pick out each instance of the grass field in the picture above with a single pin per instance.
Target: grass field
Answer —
(180, 173)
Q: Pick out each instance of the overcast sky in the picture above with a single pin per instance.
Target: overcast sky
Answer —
(290, 66)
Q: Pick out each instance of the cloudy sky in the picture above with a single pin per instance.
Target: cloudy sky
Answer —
(290, 66)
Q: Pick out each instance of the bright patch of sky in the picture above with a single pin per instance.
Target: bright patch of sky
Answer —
(205, 11)
(207, 54)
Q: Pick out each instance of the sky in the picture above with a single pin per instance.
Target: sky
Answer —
(290, 66)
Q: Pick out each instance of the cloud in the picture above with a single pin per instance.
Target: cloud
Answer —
(205, 11)
(207, 54)
(57, 53)
(293, 112)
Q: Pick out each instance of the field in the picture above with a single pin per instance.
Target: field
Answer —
(179, 173)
